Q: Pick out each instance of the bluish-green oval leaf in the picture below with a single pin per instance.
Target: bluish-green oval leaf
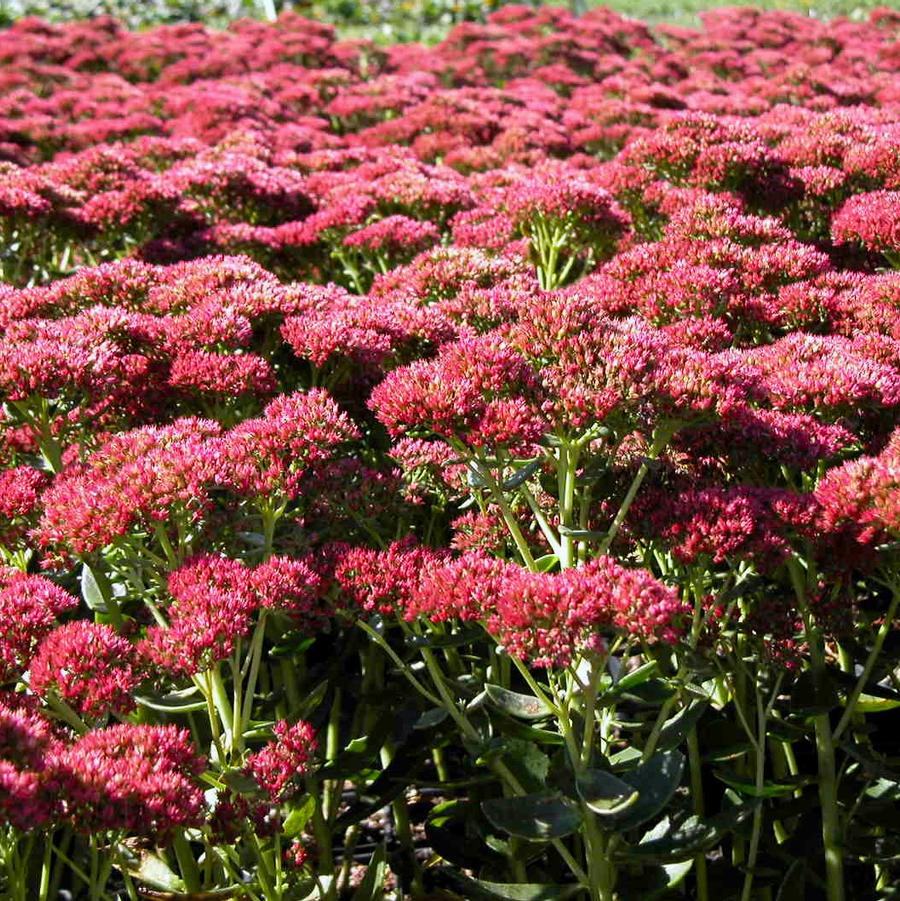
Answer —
(523, 706)
(540, 817)
(604, 793)
(656, 782)
(480, 890)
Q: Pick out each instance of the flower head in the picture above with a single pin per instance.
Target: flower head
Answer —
(29, 608)
(283, 759)
(89, 666)
(548, 618)
(138, 779)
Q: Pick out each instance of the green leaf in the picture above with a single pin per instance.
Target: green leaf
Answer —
(523, 706)
(870, 704)
(479, 890)
(90, 591)
(239, 781)
(372, 886)
(458, 638)
(313, 699)
(546, 563)
(653, 882)
(870, 764)
(604, 793)
(723, 739)
(295, 822)
(656, 782)
(883, 788)
(527, 761)
(359, 753)
(455, 830)
(676, 729)
(295, 646)
(652, 692)
(476, 479)
(770, 789)
(638, 677)
(668, 842)
(150, 869)
(173, 702)
(431, 718)
(521, 476)
(540, 817)
(255, 539)
(531, 733)
(784, 731)
(390, 782)
(681, 840)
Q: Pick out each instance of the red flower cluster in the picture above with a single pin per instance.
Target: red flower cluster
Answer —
(29, 608)
(284, 758)
(138, 779)
(547, 618)
(88, 666)
(863, 496)
(213, 603)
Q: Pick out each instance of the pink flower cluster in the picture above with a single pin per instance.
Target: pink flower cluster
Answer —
(150, 477)
(29, 608)
(547, 618)
(137, 780)
(213, 603)
(283, 759)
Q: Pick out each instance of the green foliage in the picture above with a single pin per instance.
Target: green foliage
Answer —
(391, 20)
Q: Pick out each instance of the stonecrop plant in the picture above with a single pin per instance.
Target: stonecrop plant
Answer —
(470, 473)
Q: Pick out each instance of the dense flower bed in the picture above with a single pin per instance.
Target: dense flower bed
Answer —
(472, 470)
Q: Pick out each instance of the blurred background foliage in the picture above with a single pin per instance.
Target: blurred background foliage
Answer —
(389, 20)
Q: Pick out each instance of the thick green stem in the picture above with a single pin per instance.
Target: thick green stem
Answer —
(263, 874)
(831, 837)
(508, 517)
(332, 789)
(660, 438)
(46, 861)
(828, 802)
(322, 834)
(243, 713)
(568, 465)
(497, 765)
(866, 674)
(555, 543)
(270, 516)
(163, 538)
(696, 768)
(289, 683)
(47, 442)
(600, 871)
(62, 710)
(759, 747)
(190, 873)
(589, 712)
(222, 703)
